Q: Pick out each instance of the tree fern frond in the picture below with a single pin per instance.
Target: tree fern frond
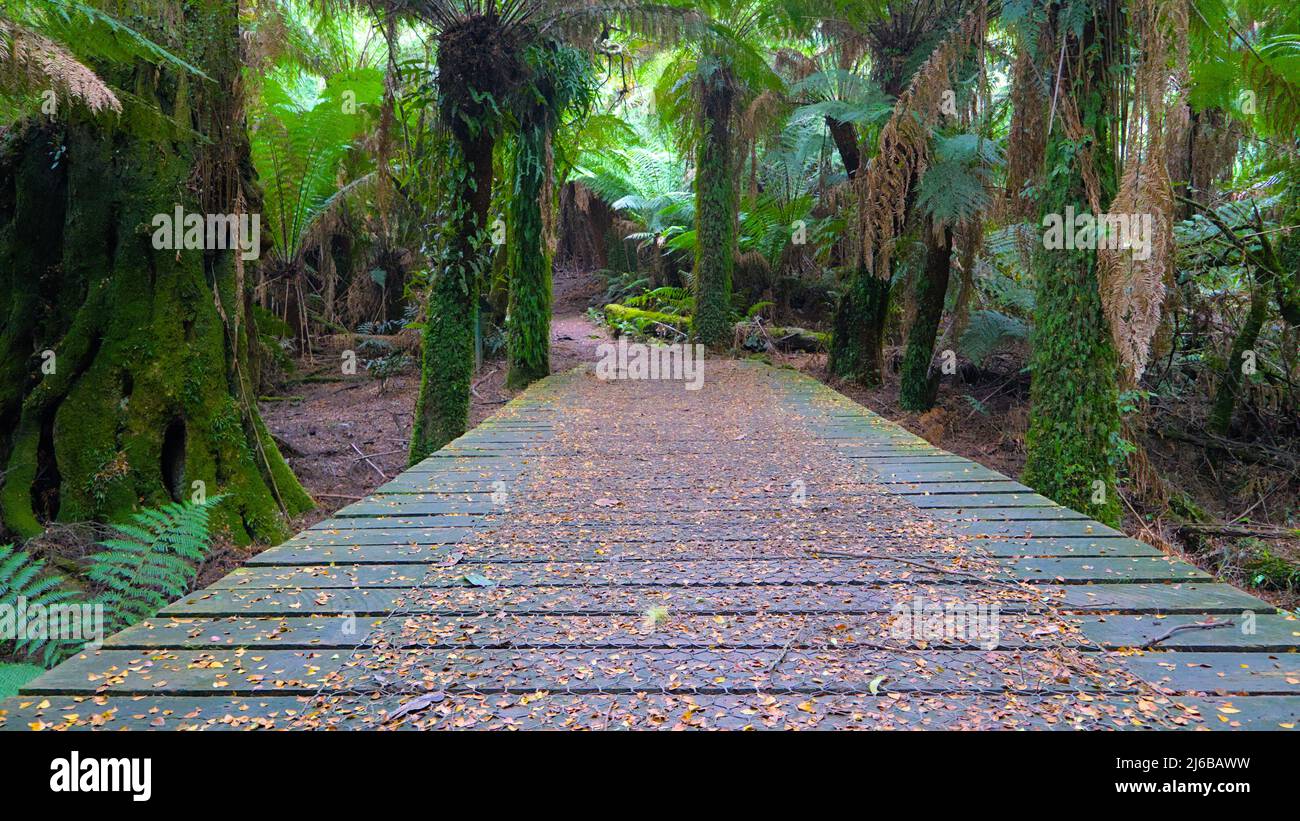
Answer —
(154, 561)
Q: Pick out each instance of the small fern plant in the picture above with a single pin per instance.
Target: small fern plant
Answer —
(22, 580)
(153, 563)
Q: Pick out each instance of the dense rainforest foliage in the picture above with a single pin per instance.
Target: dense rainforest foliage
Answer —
(1087, 209)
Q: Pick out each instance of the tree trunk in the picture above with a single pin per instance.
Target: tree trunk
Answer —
(715, 209)
(1229, 387)
(1074, 425)
(920, 382)
(530, 264)
(128, 373)
(447, 367)
(846, 143)
(859, 329)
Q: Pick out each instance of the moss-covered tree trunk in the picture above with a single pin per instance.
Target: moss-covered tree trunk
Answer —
(1074, 425)
(442, 407)
(920, 382)
(858, 333)
(529, 264)
(128, 370)
(715, 208)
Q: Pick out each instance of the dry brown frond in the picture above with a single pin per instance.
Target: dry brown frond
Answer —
(1027, 140)
(30, 62)
(904, 146)
(1133, 289)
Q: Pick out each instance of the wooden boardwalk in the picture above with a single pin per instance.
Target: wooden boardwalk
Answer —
(629, 554)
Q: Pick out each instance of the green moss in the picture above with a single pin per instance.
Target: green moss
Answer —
(645, 321)
(1073, 443)
(146, 339)
(715, 209)
(919, 382)
(859, 328)
(529, 324)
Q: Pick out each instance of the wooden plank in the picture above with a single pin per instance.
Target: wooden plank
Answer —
(1272, 633)
(1079, 528)
(698, 573)
(1220, 673)
(1131, 598)
(1068, 546)
(663, 711)
(1268, 632)
(980, 500)
(292, 672)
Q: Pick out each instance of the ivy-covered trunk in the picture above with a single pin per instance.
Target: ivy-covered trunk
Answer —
(530, 264)
(715, 208)
(442, 408)
(920, 382)
(858, 333)
(1073, 443)
(129, 376)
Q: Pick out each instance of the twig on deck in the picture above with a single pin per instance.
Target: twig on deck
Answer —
(1176, 629)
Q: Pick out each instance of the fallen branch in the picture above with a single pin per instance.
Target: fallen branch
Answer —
(368, 461)
(1241, 531)
(1175, 630)
(1245, 451)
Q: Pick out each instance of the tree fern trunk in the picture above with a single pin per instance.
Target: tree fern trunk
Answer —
(715, 211)
(1074, 422)
(150, 385)
(447, 365)
(920, 382)
(859, 329)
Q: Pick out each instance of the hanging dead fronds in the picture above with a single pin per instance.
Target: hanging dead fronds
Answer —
(1133, 279)
(1027, 140)
(904, 146)
(32, 63)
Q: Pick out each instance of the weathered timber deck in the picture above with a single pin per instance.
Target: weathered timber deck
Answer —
(630, 554)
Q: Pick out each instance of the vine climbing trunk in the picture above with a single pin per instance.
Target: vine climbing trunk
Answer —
(529, 265)
(715, 207)
(130, 368)
(447, 366)
(858, 334)
(920, 382)
(477, 66)
(1073, 442)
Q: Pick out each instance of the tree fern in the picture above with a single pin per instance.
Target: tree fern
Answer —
(22, 577)
(154, 562)
(989, 330)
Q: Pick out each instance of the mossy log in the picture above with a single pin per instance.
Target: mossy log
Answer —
(128, 371)
(648, 322)
(785, 339)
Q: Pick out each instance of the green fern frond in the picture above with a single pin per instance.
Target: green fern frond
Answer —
(24, 578)
(154, 561)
